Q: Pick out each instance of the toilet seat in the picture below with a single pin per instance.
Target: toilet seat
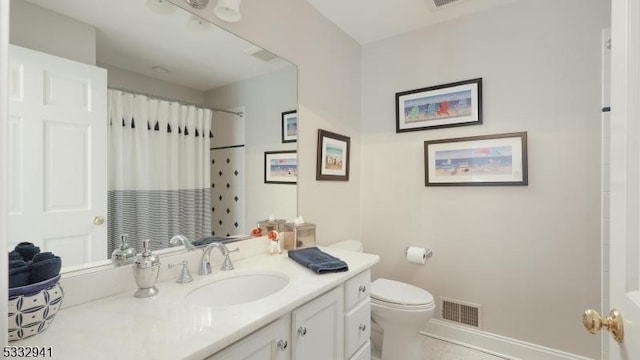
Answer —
(398, 295)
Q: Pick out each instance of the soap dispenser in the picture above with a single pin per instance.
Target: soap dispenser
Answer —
(124, 254)
(146, 268)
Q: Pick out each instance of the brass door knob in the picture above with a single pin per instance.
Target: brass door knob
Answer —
(98, 220)
(593, 322)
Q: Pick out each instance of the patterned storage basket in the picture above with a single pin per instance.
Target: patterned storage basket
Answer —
(32, 308)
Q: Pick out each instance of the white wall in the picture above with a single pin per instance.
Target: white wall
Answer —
(328, 96)
(43, 30)
(124, 79)
(529, 255)
(264, 99)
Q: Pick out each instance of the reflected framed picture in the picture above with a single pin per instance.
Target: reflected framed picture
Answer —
(280, 167)
(333, 156)
(289, 126)
(441, 106)
(499, 159)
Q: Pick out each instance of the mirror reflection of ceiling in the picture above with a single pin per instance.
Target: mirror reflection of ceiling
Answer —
(140, 39)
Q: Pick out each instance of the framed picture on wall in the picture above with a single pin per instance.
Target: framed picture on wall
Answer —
(280, 167)
(441, 106)
(289, 126)
(333, 156)
(478, 160)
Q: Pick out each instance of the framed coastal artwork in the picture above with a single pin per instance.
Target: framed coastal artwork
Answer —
(499, 159)
(441, 106)
(280, 167)
(332, 156)
(289, 126)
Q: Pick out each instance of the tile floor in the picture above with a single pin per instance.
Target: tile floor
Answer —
(434, 349)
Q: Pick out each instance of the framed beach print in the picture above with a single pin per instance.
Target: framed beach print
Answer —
(478, 160)
(333, 156)
(289, 126)
(441, 106)
(280, 167)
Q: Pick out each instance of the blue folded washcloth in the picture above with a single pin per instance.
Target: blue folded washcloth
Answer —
(27, 250)
(14, 255)
(45, 268)
(19, 273)
(317, 260)
(208, 240)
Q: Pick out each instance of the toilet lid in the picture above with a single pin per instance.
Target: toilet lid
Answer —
(396, 292)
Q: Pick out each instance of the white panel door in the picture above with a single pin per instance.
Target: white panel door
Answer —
(625, 176)
(57, 165)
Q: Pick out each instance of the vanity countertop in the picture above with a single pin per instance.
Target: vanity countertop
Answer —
(165, 327)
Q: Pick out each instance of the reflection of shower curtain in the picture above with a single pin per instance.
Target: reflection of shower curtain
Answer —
(159, 178)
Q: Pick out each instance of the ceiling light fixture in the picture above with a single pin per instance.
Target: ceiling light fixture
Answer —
(198, 4)
(163, 7)
(228, 10)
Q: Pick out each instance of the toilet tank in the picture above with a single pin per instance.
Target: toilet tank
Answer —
(351, 245)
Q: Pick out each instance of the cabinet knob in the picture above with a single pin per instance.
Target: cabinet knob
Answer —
(302, 331)
(362, 327)
(282, 345)
(362, 289)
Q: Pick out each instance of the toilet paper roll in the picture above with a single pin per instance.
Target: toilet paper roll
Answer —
(416, 255)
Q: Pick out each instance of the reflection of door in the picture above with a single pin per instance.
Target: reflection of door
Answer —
(625, 177)
(57, 155)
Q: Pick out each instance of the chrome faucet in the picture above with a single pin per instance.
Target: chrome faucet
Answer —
(205, 264)
(181, 239)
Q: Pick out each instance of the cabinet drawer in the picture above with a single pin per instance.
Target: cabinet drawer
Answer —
(364, 353)
(357, 289)
(357, 327)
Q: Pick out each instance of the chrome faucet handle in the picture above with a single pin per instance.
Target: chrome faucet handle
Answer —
(181, 239)
(185, 275)
(227, 264)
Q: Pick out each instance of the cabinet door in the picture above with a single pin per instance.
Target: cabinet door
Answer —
(268, 343)
(317, 330)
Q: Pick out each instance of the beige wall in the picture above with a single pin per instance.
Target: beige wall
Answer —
(529, 255)
(264, 99)
(43, 30)
(328, 96)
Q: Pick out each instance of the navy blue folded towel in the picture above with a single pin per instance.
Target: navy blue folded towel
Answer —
(19, 273)
(208, 240)
(27, 250)
(317, 260)
(45, 267)
(27, 265)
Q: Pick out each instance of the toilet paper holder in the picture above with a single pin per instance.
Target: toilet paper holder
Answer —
(427, 255)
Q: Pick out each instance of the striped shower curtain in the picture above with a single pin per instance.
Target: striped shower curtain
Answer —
(159, 170)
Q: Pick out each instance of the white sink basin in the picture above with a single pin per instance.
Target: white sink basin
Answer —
(238, 289)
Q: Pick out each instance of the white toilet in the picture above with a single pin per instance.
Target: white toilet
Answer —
(399, 310)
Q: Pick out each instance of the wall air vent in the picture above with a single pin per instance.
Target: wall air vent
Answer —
(439, 4)
(461, 312)
(262, 54)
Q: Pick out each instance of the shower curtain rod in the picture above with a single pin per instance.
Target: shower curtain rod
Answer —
(240, 113)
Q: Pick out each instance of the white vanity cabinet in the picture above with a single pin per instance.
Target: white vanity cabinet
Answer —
(317, 328)
(269, 343)
(358, 317)
(333, 326)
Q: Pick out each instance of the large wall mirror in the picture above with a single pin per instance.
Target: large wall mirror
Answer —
(138, 117)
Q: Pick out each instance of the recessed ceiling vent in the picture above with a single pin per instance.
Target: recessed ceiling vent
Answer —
(460, 312)
(262, 54)
(439, 4)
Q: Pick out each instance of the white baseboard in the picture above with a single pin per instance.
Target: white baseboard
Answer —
(493, 344)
